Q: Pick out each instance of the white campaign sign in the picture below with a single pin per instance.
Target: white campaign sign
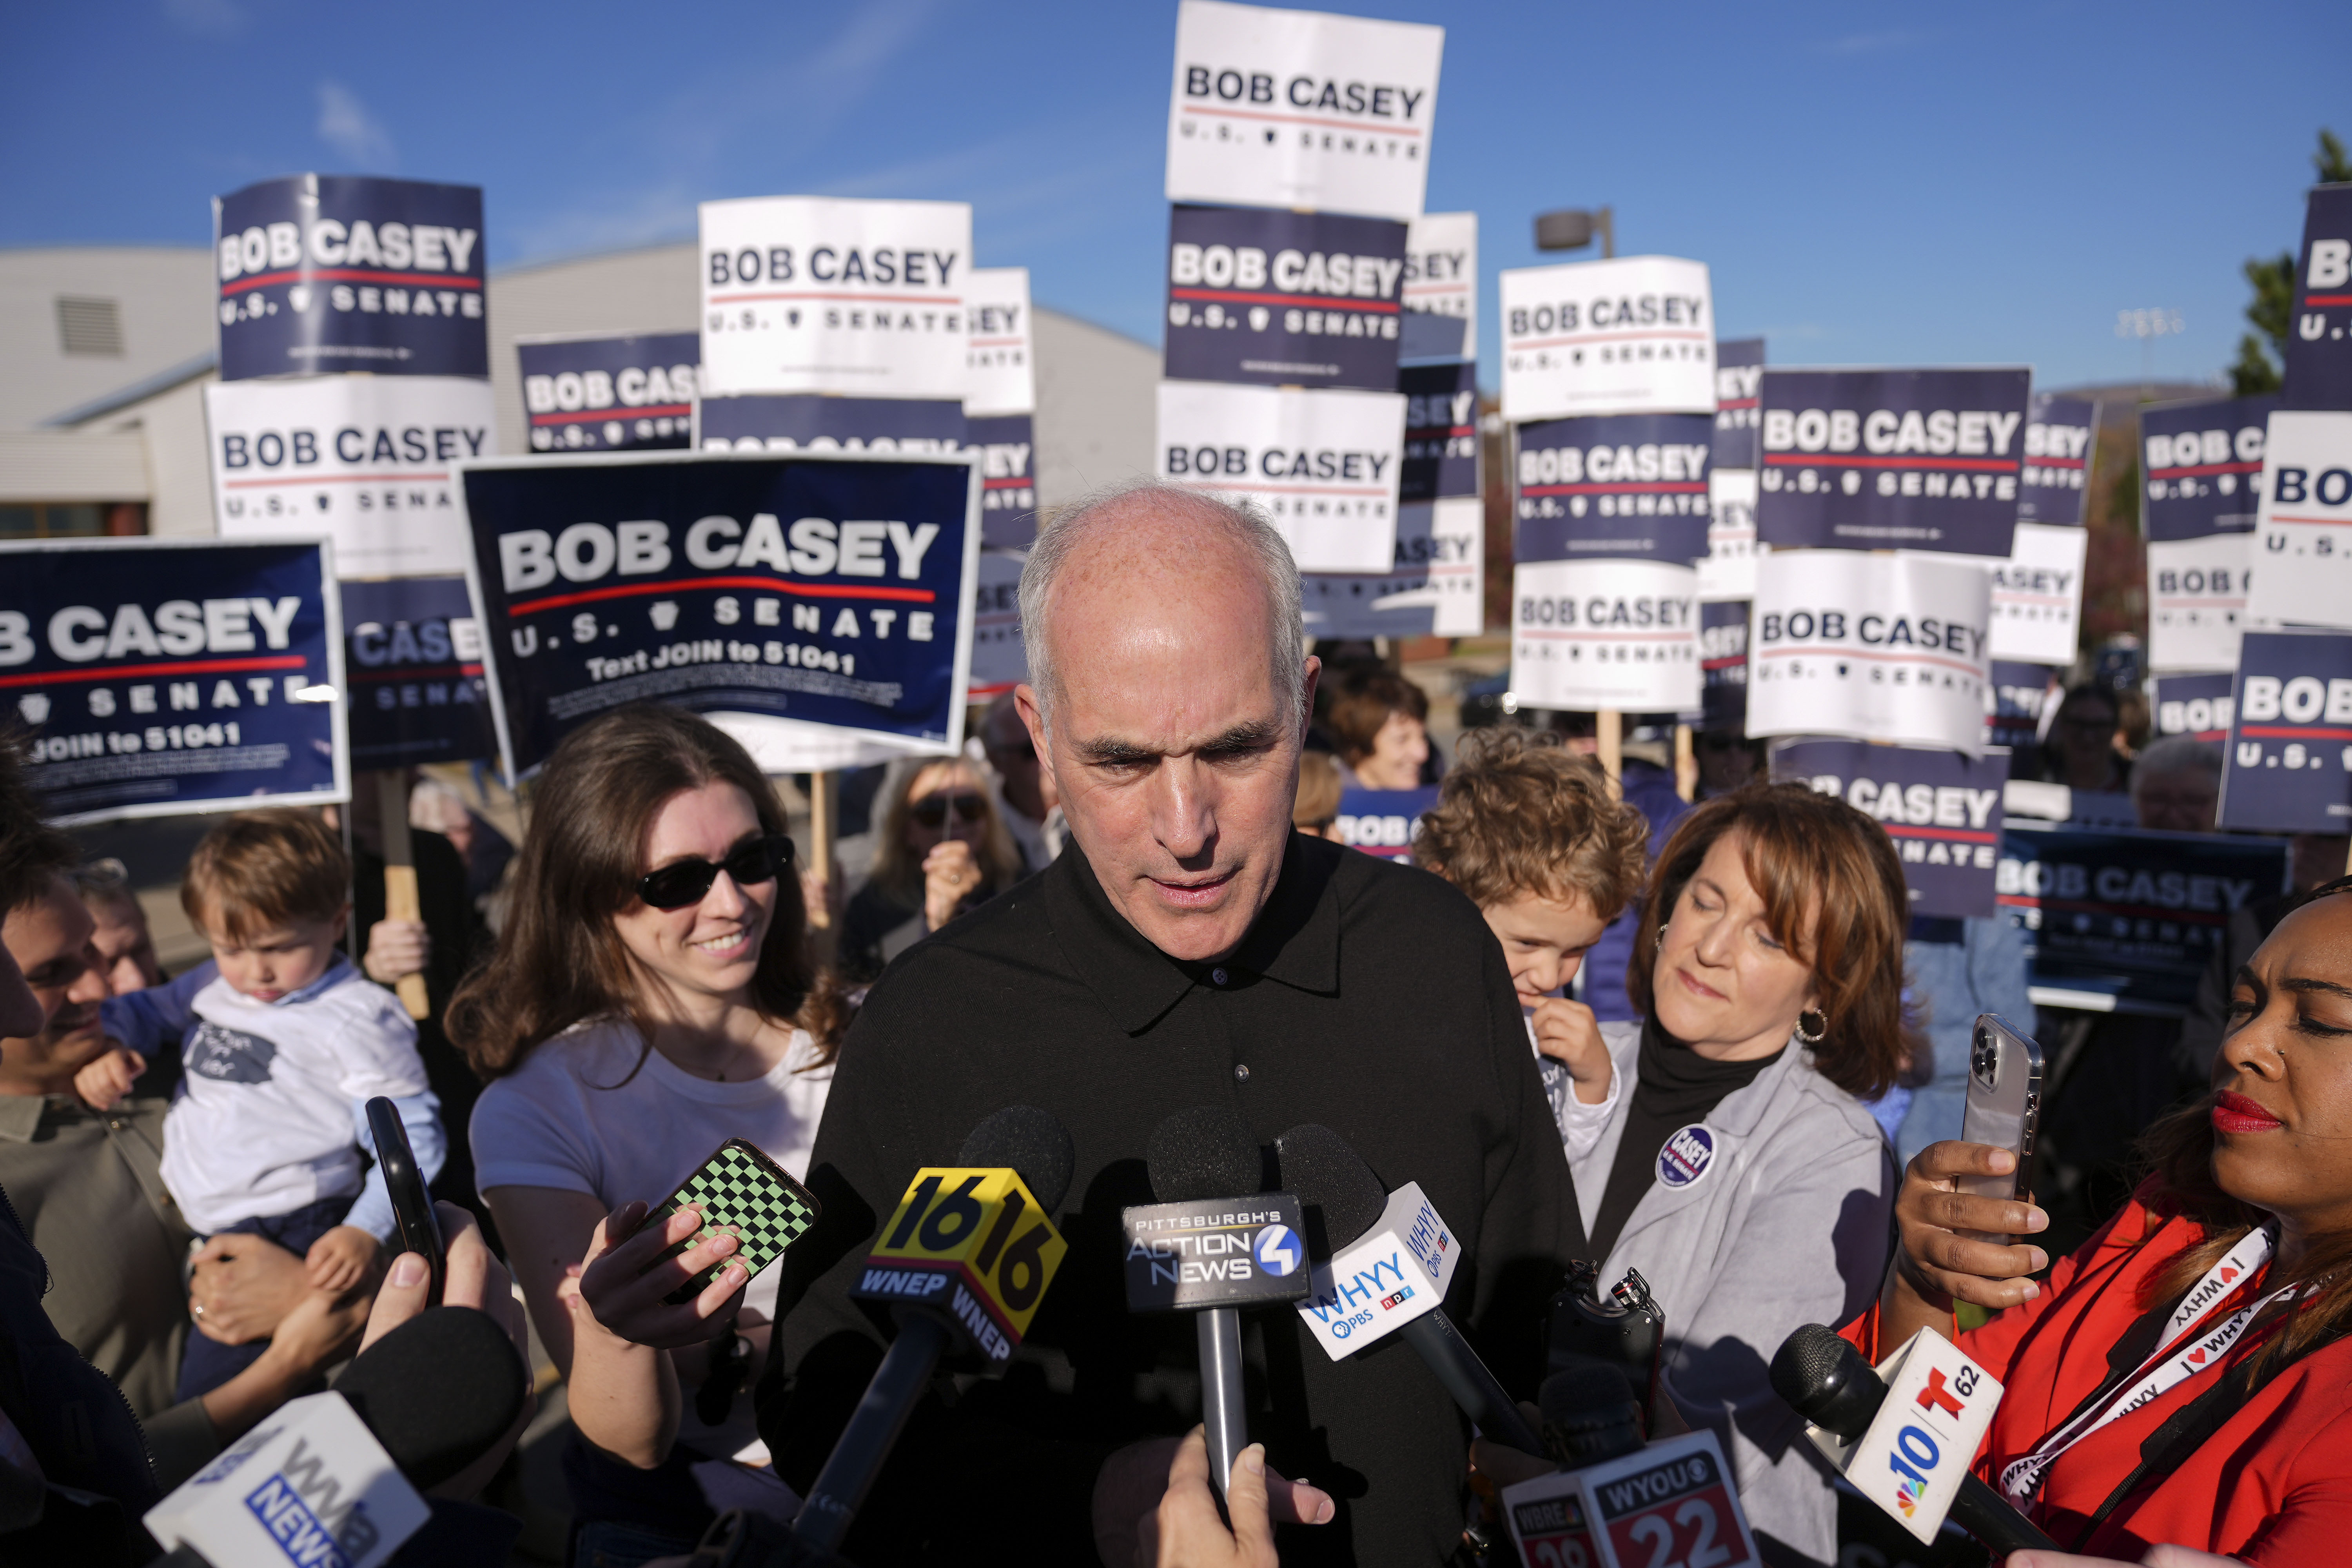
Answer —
(2196, 591)
(1323, 465)
(1437, 588)
(2304, 525)
(1301, 108)
(1729, 570)
(1872, 646)
(1632, 336)
(1441, 287)
(364, 459)
(863, 299)
(1587, 635)
(1002, 360)
(2037, 594)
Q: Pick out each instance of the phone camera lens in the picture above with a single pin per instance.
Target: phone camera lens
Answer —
(1984, 1061)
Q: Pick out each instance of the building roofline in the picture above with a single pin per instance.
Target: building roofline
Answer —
(137, 392)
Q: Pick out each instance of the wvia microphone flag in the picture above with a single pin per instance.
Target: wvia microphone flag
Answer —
(1888, 459)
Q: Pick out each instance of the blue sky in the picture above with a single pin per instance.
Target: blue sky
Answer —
(1870, 184)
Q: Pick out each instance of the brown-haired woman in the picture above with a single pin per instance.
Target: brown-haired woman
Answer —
(2181, 1378)
(1739, 1172)
(940, 850)
(649, 999)
(1379, 723)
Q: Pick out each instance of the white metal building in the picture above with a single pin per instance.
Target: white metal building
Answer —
(104, 351)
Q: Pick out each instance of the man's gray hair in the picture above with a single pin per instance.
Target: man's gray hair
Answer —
(1067, 531)
(2176, 755)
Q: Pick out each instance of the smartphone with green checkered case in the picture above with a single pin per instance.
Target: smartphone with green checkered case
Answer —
(739, 1190)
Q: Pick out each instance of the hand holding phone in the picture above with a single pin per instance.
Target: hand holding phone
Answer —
(742, 1191)
(2004, 1107)
(418, 1229)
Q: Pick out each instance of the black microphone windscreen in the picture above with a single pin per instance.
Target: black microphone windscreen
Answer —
(1825, 1380)
(1588, 1412)
(1033, 1142)
(437, 1391)
(1319, 1166)
(1203, 1153)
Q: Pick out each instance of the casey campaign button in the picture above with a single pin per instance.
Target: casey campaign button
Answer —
(1684, 1157)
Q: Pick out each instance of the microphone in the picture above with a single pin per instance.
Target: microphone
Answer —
(1212, 1245)
(1391, 1258)
(1590, 1413)
(336, 1477)
(961, 1277)
(1825, 1380)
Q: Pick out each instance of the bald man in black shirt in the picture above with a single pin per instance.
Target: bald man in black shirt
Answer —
(1187, 949)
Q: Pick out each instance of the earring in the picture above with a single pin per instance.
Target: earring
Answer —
(1812, 1025)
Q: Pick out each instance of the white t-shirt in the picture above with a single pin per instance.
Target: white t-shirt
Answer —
(263, 1124)
(547, 1124)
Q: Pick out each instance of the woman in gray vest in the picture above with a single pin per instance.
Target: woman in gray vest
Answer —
(1734, 1164)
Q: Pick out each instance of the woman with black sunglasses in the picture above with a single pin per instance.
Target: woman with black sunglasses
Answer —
(650, 998)
(941, 849)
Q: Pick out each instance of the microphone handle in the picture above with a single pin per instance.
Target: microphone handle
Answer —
(1993, 1519)
(1465, 1377)
(865, 1444)
(1222, 1411)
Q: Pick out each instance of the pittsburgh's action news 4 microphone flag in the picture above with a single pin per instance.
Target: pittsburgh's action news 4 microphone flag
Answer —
(2290, 746)
(595, 392)
(330, 273)
(1283, 298)
(364, 459)
(2302, 527)
(2319, 356)
(817, 606)
(1891, 459)
(1941, 809)
(160, 676)
(2201, 470)
(1301, 108)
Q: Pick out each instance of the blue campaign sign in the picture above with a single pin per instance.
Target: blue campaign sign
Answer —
(2019, 693)
(2290, 750)
(333, 272)
(1007, 444)
(805, 422)
(2198, 705)
(2318, 345)
(2060, 432)
(162, 677)
(2201, 466)
(608, 394)
(1440, 431)
(1942, 809)
(417, 693)
(1623, 486)
(1738, 382)
(832, 589)
(2134, 916)
(1384, 822)
(1891, 459)
(1723, 663)
(1284, 298)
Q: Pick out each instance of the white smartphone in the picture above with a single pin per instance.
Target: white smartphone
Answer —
(2004, 1105)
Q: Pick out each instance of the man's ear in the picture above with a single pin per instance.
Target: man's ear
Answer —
(1307, 692)
(1032, 719)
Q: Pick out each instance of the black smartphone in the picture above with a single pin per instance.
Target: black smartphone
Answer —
(411, 1204)
(1626, 1329)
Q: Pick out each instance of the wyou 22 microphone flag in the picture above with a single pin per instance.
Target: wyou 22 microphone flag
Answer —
(820, 608)
(864, 298)
(1891, 459)
(598, 391)
(1301, 108)
(158, 677)
(335, 272)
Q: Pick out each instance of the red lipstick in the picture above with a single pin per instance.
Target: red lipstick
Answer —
(2236, 1113)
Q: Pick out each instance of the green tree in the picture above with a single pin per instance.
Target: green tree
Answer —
(2257, 369)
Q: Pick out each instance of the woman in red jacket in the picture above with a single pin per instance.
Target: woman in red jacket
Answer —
(2186, 1377)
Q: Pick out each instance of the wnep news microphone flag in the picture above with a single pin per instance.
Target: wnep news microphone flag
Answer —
(161, 676)
(818, 607)
(974, 1244)
(1301, 108)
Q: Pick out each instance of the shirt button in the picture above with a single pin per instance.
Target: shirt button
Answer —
(1241, 1072)
(1218, 976)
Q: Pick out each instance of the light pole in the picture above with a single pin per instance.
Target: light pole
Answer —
(1573, 228)
(2146, 326)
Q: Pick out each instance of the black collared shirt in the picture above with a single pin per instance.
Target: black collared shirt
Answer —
(1367, 996)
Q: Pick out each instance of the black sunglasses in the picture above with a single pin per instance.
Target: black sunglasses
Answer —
(683, 882)
(932, 811)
